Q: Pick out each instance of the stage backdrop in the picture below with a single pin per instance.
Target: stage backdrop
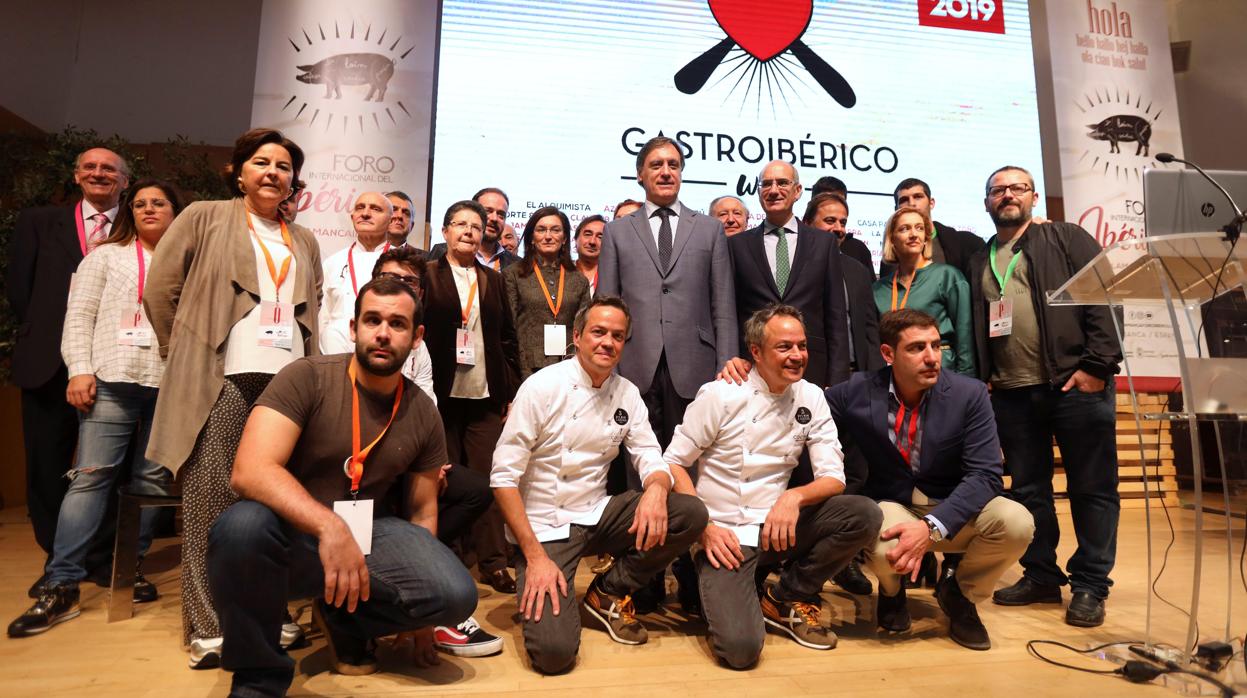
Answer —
(351, 82)
(1116, 108)
(552, 100)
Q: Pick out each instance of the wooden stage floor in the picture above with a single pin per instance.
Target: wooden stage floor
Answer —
(142, 656)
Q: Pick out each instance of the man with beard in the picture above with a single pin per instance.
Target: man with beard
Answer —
(339, 459)
(1051, 370)
(346, 270)
(491, 252)
(745, 441)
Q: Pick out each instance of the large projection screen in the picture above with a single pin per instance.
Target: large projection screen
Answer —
(551, 100)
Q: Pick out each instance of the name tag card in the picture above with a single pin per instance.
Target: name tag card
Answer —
(358, 517)
(135, 331)
(465, 351)
(1000, 318)
(555, 339)
(276, 325)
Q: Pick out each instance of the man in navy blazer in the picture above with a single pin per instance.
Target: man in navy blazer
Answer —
(935, 469)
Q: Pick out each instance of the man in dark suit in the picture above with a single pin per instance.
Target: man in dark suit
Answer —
(935, 469)
(948, 245)
(785, 261)
(492, 254)
(48, 244)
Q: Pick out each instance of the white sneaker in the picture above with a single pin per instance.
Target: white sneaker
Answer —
(291, 635)
(206, 652)
(467, 639)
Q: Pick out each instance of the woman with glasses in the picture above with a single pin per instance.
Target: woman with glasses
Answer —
(471, 339)
(545, 291)
(914, 281)
(114, 372)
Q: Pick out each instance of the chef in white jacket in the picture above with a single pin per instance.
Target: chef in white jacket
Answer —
(347, 270)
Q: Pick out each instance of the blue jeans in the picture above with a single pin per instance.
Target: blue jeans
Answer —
(257, 562)
(122, 414)
(1085, 427)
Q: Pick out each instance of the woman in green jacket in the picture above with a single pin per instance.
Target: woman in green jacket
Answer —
(936, 289)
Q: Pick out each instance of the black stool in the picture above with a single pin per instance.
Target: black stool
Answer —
(126, 549)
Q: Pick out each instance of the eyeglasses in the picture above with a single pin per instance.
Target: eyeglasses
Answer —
(464, 225)
(781, 183)
(552, 230)
(409, 279)
(140, 204)
(1015, 189)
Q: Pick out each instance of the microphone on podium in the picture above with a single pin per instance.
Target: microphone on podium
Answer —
(1235, 227)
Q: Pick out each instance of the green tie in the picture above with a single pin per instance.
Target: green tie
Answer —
(781, 261)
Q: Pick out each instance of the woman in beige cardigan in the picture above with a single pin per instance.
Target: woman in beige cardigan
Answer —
(232, 298)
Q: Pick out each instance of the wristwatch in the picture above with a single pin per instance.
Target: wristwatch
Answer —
(934, 530)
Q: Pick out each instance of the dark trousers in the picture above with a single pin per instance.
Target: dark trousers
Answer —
(829, 535)
(472, 431)
(553, 642)
(666, 411)
(466, 497)
(50, 434)
(257, 562)
(1084, 425)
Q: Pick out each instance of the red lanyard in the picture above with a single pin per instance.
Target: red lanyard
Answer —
(555, 307)
(82, 228)
(913, 431)
(350, 262)
(138, 250)
(358, 456)
(278, 279)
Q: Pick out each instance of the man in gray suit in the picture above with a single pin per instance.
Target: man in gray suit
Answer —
(671, 265)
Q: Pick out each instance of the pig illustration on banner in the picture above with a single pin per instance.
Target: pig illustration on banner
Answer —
(1123, 127)
(371, 69)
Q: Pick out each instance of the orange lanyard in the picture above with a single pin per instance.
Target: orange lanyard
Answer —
(278, 279)
(350, 262)
(356, 464)
(908, 286)
(555, 307)
(466, 311)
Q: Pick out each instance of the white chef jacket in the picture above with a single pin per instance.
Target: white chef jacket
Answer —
(338, 307)
(558, 443)
(746, 441)
(418, 368)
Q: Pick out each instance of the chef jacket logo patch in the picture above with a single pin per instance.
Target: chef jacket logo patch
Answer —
(803, 415)
(621, 416)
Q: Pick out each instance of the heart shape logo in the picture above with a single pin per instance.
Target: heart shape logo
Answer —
(763, 28)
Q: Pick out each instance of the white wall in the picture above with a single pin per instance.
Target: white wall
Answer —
(1212, 95)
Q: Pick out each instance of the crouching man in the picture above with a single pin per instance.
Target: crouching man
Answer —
(745, 440)
(549, 477)
(935, 467)
(333, 448)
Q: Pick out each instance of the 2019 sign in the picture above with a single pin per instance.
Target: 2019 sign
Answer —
(967, 15)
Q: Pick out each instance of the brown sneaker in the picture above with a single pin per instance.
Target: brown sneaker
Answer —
(796, 619)
(616, 614)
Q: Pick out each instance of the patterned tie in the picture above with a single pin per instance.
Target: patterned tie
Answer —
(781, 261)
(664, 238)
(97, 233)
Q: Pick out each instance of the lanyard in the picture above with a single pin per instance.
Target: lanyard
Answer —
(466, 311)
(908, 287)
(555, 307)
(356, 464)
(350, 262)
(1002, 280)
(278, 279)
(913, 430)
(82, 228)
(138, 250)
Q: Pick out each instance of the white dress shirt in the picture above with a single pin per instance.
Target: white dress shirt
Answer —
(88, 214)
(770, 241)
(746, 441)
(655, 222)
(559, 441)
(243, 354)
(338, 306)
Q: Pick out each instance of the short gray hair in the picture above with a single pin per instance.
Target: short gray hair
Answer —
(755, 326)
(737, 199)
(125, 164)
(1009, 168)
(796, 176)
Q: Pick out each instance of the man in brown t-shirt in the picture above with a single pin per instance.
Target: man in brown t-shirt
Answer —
(338, 471)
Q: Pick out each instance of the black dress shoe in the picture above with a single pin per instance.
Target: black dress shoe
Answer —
(853, 580)
(144, 591)
(964, 626)
(928, 573)
(1085, 610)
(1025, 593)
(57, 603)
(650, 596)
(892, 612)
(36, 588)
(351, 655)
(500, 580)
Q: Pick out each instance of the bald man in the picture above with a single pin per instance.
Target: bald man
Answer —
(349, 269)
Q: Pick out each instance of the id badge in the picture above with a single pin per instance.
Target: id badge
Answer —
(465, 351)
(357, 513)
(1000, 318)
(276, 325)
(555, 340)
(135, 331)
